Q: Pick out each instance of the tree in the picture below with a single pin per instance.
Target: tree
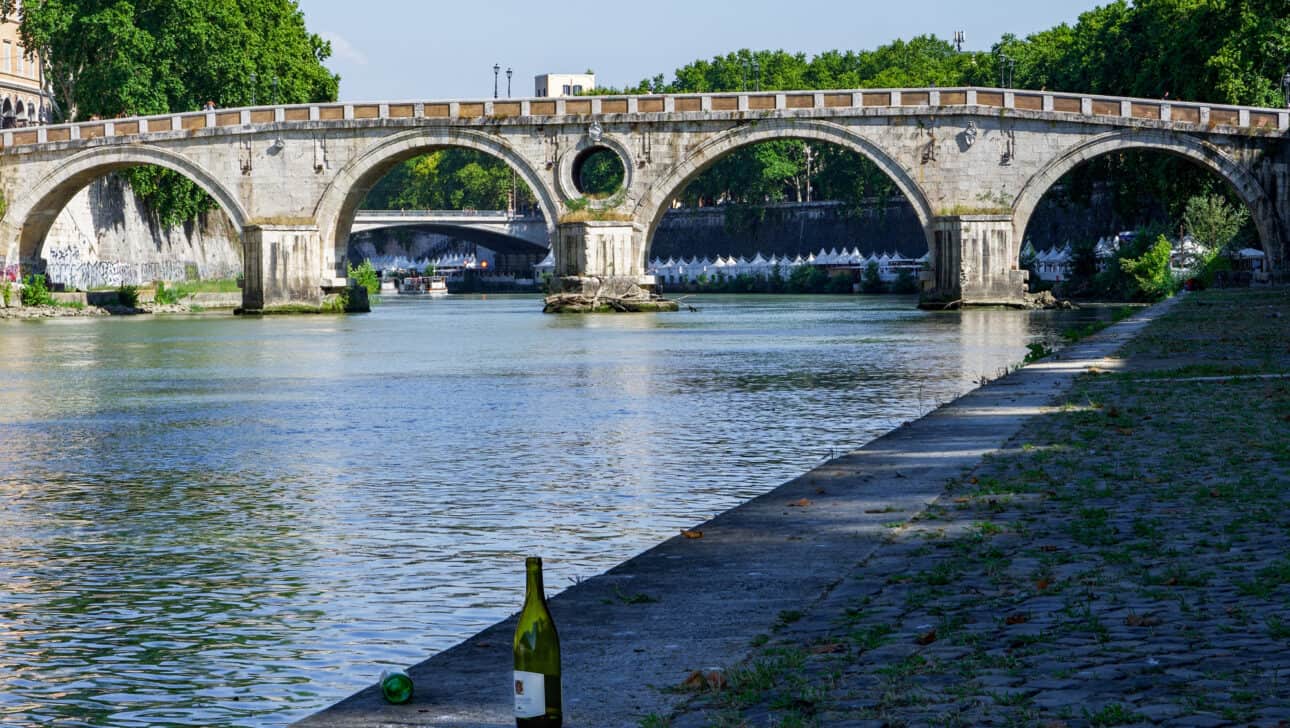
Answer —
(137, 57)
(1150, 274)
(133, 57)
(905, 282)
(1213, 222)
(601, 174)
(871, 281)
(449, 179)
(365, 276)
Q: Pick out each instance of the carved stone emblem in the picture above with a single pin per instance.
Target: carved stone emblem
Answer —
(969, 134)
(595, 132)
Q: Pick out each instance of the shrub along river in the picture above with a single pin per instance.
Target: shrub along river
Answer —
(208, 520)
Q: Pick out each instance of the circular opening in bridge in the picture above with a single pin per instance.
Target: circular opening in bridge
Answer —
(598, 172)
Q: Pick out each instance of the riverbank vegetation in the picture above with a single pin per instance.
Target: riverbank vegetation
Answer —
(802, 279)
(1142, 267)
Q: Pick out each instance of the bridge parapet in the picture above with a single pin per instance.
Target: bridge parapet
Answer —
(1101, 109)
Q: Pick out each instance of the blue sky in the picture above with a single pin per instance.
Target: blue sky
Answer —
(420, 49)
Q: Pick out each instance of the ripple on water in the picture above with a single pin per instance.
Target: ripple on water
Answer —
(238, 522)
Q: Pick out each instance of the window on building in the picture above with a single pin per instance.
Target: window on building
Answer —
(8, 57)
(21, 69)
(567, 89)
(577, 90)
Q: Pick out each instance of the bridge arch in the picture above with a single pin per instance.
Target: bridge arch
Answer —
(335, 212)
(30, 217)
(653, 205)
(1207, 155)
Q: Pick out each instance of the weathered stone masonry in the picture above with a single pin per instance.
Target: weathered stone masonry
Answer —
(973, 163)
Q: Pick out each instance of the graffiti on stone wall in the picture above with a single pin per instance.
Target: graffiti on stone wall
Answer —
(67, 263)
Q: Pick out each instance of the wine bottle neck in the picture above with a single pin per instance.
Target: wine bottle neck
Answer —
(534, 588)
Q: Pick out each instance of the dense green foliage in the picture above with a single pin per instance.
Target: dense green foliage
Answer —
(803, 279)
(35, 292)
(166, 296)
(128, 296)
(136, 57)
(449, 179)
(871, 281)
(1149, 273)
(365, 275)
(1213, 222)
(601, 174)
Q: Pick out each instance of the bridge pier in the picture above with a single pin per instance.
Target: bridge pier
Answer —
(281, 264)
(600, 266)
(974, 262)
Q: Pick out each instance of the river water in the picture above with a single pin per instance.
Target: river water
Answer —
(216, 521)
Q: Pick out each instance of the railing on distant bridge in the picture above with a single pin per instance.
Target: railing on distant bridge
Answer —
(507, 215)
(1094, 107)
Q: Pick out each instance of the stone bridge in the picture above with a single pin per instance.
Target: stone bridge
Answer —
(491, 224)
(973, 162)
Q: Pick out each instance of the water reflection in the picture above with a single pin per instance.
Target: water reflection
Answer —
(237, 522)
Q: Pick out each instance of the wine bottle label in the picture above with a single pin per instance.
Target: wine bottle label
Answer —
(530, 694)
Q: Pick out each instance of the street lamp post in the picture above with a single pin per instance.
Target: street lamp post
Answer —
(255, 78)
(757, 74)
(1007, 67)
(496, 70)
(1285, 87)
(508, 82)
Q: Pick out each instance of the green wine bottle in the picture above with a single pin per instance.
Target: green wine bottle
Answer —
(396, 686)
(538, 702)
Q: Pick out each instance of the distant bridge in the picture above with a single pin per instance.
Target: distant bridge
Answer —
(973, 162)
(497, 227)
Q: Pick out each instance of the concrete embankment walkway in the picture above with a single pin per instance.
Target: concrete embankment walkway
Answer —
(631, 636)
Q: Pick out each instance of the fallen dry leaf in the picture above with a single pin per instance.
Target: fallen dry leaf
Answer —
(1048, 548)
(804, 502)
(1042, 584)
(1017, 618)
(829, 648)
(1124, 430)
(705, 679)
(690, 533)
(926, 638)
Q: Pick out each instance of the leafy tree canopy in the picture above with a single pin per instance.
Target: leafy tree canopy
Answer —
(112, 58)
(449, 179)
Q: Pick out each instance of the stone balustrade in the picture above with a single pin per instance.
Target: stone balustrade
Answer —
(1103, 109)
